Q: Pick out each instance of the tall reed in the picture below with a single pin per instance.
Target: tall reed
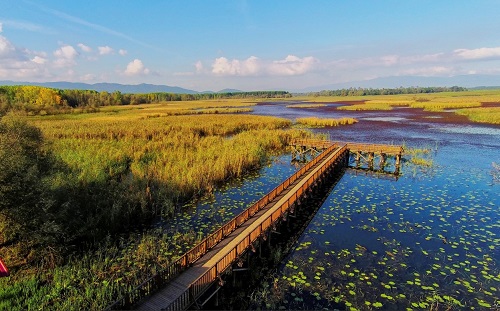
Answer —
(126, 169)
(314, 121)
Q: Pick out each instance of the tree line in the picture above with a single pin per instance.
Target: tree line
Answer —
(42, 100)
(386, 91)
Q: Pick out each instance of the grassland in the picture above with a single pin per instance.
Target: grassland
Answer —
(118, 168)
(319, 122)
(469, 103)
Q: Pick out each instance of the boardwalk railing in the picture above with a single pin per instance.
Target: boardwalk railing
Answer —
(386, 149)
(317, 143)
(353, 147)
(182, 263)
(199, 286)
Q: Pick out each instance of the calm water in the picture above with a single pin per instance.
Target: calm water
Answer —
(431, 239)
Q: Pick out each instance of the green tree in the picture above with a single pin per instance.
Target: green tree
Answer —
(26, 210)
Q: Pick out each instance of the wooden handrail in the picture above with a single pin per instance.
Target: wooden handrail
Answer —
(232, 254)
(182, 263)
(379, 148)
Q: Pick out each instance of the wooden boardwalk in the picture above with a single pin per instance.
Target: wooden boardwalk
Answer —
(318, 144)
(362, 152)
(182, 283)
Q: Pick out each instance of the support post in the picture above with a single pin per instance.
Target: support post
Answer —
(370, 160)
(398, 164)
(382, 161)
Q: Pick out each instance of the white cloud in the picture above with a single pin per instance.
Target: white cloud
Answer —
(293, 65)
(17, 63)
(84, 48)
(122, 52)
(199, 66)
(223, 66)
(39, 60)
(455, 56)
(7, 49)
(66, 51)
(65, 56)
(430, 71)
(136, 67)
(481, 53)
(1, 27)
(390, 60)
(253, 66)
(105, 50)
(88, 77)
(426, 58)
(184, 74)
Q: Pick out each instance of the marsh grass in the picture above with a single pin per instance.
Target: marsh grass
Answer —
(367, 106)
(179, 155)
(425, 105)
(139, 166)
(318, 122)
(420, 156)
(177, 106)
(200, 111)
(422, 161)
(440, 106)
(92, 281)
(489, 115)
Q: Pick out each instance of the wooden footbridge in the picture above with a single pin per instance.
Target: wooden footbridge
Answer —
(187, 280)
(361, 153)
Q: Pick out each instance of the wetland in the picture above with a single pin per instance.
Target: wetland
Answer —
(427, 240)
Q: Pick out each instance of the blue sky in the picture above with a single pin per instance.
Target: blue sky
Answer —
(247, 45)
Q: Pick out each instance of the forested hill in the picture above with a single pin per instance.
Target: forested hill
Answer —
(385, 91)
(43, 100)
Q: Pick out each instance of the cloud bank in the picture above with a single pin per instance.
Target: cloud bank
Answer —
(481, 53)
(254, 66)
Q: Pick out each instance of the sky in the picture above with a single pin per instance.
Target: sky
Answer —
(247, 45)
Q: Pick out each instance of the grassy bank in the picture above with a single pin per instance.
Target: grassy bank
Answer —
(483, 114)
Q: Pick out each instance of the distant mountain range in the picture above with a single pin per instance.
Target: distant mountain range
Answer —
(468, 81)
(112, 87)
